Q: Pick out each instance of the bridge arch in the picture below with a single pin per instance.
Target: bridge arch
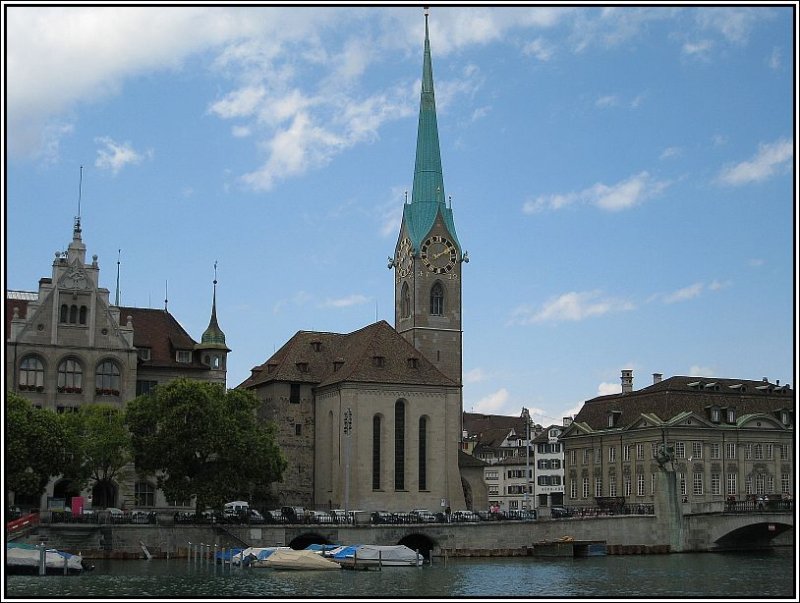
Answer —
(752, 535)
(421, 543)
(303, 540)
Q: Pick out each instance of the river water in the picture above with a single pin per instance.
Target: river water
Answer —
(768, 574)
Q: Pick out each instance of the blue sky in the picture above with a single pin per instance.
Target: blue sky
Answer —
(621, 178)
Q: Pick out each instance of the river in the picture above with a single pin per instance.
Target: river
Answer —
(763, 574)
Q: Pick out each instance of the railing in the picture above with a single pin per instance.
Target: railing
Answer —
(758, 506)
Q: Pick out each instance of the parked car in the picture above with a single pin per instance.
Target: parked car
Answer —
(256, 517)
(142, 516)
(559, 512)
(318, 517)
(381, 517)
(274, 516)
(423, 516)
(465, 515)
(338, 515)
(293, 514)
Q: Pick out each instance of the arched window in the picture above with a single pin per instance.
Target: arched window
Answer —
(31, 374)
(144, 494)
(73, 314)
(70, 376)
(399, 445)
(376, 452)
(437, 299)
(64, 313)
(423, 445)
(107, 379)
(405, 301)
(82, 318)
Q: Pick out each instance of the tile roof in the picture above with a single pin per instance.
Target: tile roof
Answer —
(158, 330)
(680, 394)
(374, 354)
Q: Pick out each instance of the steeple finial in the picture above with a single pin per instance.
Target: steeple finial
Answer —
(116, 296)
(166, 288)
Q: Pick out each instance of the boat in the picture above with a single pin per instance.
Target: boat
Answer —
(26, 559)
(254, 556)
(374, 555)
(299, 560)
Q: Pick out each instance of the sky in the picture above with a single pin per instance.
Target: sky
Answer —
(622, 178)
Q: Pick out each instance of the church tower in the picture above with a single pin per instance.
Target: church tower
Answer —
(212, 348)
(428, 257)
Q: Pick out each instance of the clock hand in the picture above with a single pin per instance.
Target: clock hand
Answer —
(441, 253)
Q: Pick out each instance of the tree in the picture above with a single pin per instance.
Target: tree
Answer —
(36, 446)
(201, 440)
(100, 444)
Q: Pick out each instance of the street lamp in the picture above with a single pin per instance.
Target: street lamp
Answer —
(347, 425)
(527, 416)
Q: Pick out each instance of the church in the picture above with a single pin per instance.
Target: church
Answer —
(372, 419)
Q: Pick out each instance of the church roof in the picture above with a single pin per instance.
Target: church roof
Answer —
(679, 394)
(373, 354)
(427, 196)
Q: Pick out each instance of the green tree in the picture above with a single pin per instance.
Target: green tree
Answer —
(100, 444)
(36, 446)
(201, 440)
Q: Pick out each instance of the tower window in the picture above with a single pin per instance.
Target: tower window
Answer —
(405, 301)
(437, 299)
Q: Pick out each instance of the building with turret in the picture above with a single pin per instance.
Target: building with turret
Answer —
(68, 345)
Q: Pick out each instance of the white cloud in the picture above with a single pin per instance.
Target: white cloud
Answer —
(733, 24)
(670, 152)
(492, 403)
(573, 306)
(116, 155)
(243, 102)
(607, 101)
(345, 302)
(616, 197)
(774, 60)
(771, 158)
(606, 389)
(684, 294)
(700, 49)
(475, 375)
(700, 371)
(755, 262)
(539, 49)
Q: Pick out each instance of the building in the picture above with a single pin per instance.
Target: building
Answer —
(68, 345)
(731, 439)
(372, 419)
(549, 469)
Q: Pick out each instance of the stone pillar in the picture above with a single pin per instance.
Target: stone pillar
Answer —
(668, 509)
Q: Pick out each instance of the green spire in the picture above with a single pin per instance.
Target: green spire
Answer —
(213, 337)
(427, 196)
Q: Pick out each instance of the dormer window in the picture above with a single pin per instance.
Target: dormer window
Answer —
(731, 415)
(413, 362)
(317, 345)
(271, 368)
(613, 417)
(714, 414)
(337, 364)
(379, 361)
(183, 356)
(785, 417)
(302, 367)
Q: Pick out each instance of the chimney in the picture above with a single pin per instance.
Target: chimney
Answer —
(627, 381)
(657, 378)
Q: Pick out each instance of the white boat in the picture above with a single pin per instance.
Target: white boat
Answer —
(26, 559)
(371, 555)
(299, 560)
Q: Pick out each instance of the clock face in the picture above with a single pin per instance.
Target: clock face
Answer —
(439, 254)
(404, 258)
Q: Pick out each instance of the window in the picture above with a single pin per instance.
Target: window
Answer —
(682, 483)
(376, 452)
(697, 450)
(731, 484)
(143, 353)
(731, 415)
(73, 314)
(612, 485)
(66, 409)
(573, 457)
(598, 486)
(64, 315)
(378, 361)
(573, 489)
(494, 491)
(597, 456)
(626, 452)
(748, 484)
(437, 299)
(785, 417)
(294, 393)
(183, 356)
(770, 484)
(760, 483)
(769, 452)
(715, 484)
(784, 483)
(405, 302)
(731, 450)
(715, 415)
(585, 456)
(144, 494)
(144, 387)
(423, 468)
(639, 452)
(716, 450)
(748, 452)
(652, 483)
(107, 379)
(298, 429)
(626, 485)
(680, 450)
(585, 487)
(399, 445)
(70, 377)
(491, 475)
(640, 484)
(758, 452)
(784, 452)
(413, 362)
(697, 484)
(31, 374)
(82, 315)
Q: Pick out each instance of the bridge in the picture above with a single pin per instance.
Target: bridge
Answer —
(701, 531)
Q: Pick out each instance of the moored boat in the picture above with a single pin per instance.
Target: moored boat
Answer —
(374, 555)
(27, 559)
(289, 559)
